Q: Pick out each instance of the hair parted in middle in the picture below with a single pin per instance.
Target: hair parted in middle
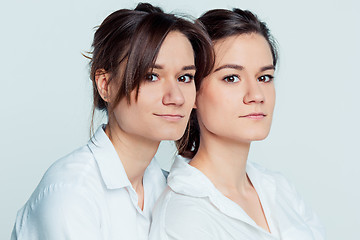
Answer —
(219, 24)
(127, 43)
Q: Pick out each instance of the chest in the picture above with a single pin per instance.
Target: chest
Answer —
(122, 218)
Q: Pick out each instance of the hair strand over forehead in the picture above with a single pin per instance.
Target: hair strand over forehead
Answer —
(126, 45)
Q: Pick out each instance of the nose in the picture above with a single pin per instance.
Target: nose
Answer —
(254, 93)
(172, 93)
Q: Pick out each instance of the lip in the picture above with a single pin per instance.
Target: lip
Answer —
(170, 117)
(255, 116)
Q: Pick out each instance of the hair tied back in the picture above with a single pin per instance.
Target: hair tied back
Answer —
(148, 8)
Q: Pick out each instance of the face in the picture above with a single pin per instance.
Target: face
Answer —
(237, 99)
(166, 97)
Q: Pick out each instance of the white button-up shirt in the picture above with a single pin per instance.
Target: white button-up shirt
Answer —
(192, 208)
(87, 195)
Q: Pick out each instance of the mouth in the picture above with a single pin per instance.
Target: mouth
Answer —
(170, 117)
(255, 116)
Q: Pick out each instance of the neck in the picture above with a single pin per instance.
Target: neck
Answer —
(223, 161)
(134, 151)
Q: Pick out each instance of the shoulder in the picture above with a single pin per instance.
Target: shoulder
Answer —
(58, 212)
(76, 170)
(68, 189)
(286, 199)
(270, 177)
(178, 216)
(175, 206)
(276, 186)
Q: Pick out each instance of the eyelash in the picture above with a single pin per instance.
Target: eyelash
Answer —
(149, 77)
(227, 78)
(190, 76)
(270, 78)
(260, 79)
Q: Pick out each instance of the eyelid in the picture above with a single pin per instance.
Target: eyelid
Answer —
(150, 74)
(231, 75)
(271, 77)
(190, 76)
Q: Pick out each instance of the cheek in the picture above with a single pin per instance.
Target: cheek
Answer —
(121, 112)
(127, 114)
(149, 93)
(190, 95)
(271, 97)
(148, 100)
(221, 98)
(214, 105)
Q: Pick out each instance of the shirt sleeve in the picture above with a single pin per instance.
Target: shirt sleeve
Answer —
(308, 216)
(58, 213)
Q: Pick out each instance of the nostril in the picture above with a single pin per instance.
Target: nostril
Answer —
(173, 98)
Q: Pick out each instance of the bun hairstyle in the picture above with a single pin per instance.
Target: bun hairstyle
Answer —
(147, 7)
(127, 43)
(219, 24)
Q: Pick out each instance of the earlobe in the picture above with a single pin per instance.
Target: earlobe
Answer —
(101, 79)
(195, 103)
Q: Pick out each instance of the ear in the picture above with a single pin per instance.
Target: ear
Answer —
(195, 104)
(102, 83)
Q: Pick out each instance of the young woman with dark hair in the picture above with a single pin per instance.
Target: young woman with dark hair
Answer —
(143, 67)
(217, 193)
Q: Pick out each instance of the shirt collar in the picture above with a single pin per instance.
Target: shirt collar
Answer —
(111, 168)
(187, 180)
(259, 177)
(110, 165)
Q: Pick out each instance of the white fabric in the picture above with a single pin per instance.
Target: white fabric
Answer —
(87, 195)
(192, 208)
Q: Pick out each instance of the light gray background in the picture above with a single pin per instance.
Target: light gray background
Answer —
(46, 97)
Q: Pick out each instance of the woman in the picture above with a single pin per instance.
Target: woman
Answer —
(142, 68)
(218, 194)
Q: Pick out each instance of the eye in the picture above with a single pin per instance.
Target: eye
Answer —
(186, 78)
(151, 77)
(265, 78)
(231, 79)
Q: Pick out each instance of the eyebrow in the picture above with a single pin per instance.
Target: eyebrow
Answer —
(239, 67)
(189, 67)
(233, 66)
(269, 67)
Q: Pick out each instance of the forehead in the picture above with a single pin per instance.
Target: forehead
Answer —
(244, 49)
(176, 49)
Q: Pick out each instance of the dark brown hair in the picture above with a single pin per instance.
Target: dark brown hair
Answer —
(132, 39)
(219, 24)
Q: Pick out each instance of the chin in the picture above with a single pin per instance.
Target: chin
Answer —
(259, 137)
(255, 136)
(170, 135)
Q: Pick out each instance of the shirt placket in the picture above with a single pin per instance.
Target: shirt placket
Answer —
(142, 221)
